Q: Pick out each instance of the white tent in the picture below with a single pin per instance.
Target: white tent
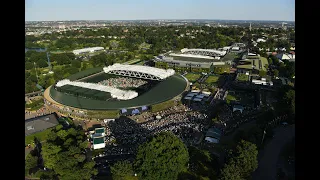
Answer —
(211, 140)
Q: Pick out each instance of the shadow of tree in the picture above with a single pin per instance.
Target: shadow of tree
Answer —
(202, 165)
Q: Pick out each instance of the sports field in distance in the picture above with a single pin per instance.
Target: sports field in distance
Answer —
(192, 77)
(242, 77)
(212, 79)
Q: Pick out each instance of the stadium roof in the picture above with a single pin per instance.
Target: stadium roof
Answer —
(192, 56)
(115, 93)
(159, 73)
(163, 91)
(200, 51)
(77, 51)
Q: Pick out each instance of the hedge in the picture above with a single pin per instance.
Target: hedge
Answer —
(104, 114)
(85, 73)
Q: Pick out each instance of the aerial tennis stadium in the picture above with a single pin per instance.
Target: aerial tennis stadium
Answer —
(109, 92)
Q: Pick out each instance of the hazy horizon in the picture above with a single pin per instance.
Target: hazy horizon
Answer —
(246, 10)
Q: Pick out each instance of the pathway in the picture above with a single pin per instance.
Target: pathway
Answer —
(268, 157)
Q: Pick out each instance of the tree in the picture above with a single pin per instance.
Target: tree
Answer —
(31, 162)
(290, 99)
(41, 63)
(230, 172)
(28, 65)
(163, 157)
(122, 170)
(276, 73)
(61, 59)
(62, 134)
(49, 154)
(76, 63)
(58, 127)
(246, 154)
(262, 73)
(65, 156)
(51, 136)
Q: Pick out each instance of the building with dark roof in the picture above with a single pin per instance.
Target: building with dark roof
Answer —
(41, 123)
(213, 135)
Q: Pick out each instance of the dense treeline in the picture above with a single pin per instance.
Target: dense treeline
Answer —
(129, 43)
(62, 155)
(161, 38)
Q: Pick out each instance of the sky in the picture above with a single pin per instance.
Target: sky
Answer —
(59, 10)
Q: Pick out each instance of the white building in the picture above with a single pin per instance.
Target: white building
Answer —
(87, 50)
(261, 40)
(99, 142)
(99, 138)
(285, 56)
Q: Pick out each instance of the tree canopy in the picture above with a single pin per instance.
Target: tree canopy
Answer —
(163, 157)
(63, 153)
(31, 162)
(122, 170)
(241, 163)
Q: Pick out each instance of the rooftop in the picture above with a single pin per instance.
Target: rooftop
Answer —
(98, 140)
(161, 73)
(99, 130)
(41, 123)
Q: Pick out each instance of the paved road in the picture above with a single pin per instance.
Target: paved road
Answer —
(268, 158)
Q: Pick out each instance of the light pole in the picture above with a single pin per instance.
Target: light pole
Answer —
(264, 133)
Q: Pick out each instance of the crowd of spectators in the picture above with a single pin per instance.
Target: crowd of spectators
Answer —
(123, 82)
(127, 134)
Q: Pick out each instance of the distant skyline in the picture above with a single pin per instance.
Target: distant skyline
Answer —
(59, 10)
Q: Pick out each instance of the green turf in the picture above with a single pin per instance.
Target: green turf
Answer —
(212, 79)
(230, 98)
(163, 91)
(162, 106)
(40, 136)
(264, 62)
(192, 77)
(242, 77)
(245, 98)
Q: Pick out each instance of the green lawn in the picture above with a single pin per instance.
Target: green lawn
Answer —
(264, 62)
(245, 98)
(134, 61)
(192, 77)
(212, 79)
(229, 57)
(242, 77)
(230, 98)
(40, 136)
(162, 106)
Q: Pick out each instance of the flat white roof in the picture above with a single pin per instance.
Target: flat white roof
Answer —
(205, 50)
(77, 51)
(212, 140)
(161, 73)
(206, 93)
(192, 56)
(195, 91)
(115, 93)
(187, 97)
(197, 99)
